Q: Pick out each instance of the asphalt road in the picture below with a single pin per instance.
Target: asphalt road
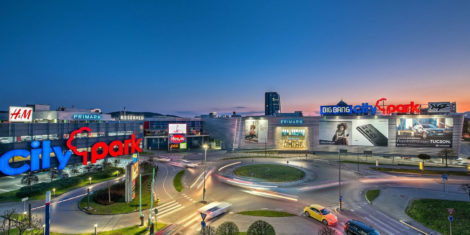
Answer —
(321, 187)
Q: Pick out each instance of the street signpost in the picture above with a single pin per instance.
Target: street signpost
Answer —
(203, 223)
(450, 218)
(444, 180)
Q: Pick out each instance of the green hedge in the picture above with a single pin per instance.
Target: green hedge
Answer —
(41, 188)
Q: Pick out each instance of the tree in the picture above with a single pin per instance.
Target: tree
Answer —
(29, 179)
(227, 228)
(261, 228)
(8, 217)
(22, 225)
(207, 230)
(116, 162)
(424, 156)
(446, 153)
(326, 230)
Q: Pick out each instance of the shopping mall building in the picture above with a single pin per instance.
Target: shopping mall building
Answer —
(395, 129)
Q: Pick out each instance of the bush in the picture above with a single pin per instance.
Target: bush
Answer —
(227, 228)
(41, 188)
(261, 228)
(424, 156)
(118, 192)
(207, 230)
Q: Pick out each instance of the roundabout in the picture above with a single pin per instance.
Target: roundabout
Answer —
(270, 172)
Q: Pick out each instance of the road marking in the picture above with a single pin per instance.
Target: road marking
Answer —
(196, 217)
(389, 229)
(185, 219)
(174, 203)
(413, 227)
(197, 179)
(170, 210)
(230, 164)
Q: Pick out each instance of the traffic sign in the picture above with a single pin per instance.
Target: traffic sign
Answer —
(444, 176)
(203, 224)
(203, 216)
(450, 210)
(451, 218)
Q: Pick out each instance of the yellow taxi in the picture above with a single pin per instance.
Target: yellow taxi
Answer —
(321, 214)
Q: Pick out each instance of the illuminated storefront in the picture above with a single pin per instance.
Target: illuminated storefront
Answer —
(289, 137)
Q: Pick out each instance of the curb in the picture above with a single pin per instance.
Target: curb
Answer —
(413, 227)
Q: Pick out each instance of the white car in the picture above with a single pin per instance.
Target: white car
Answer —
(189, 164)
(163, 159)
(215, 209)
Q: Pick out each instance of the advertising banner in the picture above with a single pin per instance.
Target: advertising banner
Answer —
(177, 141)
(439, 107)
(256, 131)
(132, 172)
(425, 132)
(360, 132)
(177, 128)
(20, 114)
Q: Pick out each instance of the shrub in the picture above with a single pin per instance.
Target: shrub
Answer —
(227, 228)
(261, 228)
(424, 156)
(207, 230)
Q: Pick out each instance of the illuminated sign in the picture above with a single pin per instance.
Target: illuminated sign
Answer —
(41, 155)
(86, 116)
(291, 121)
(176, 139)
(439, 107)
(130, 117)
(365, 108)
(177, 128)
(20, 114)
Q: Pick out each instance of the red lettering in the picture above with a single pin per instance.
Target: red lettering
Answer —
(135, 144)
(15, 114)
(112, 148)
(378, 105)
(127, 145)
(94, 151)
(27, 114)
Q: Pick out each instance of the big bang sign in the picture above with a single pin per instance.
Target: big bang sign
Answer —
(40, 156)
(365, 108)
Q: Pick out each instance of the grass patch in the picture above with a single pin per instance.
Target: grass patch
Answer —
(177, 182)
(121, 207)
(245, 157)
(433, 214)
(417, 171)
(134, 230)
(270, 172)
(38, 191)
(266, 213)
(372, 194)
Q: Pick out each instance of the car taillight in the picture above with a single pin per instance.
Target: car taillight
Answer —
(345, 226)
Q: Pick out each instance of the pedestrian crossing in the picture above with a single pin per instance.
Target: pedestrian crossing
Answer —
(169, 208)
(189, 198)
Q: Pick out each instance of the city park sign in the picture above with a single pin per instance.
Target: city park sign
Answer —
(40, 156)
(366, 108)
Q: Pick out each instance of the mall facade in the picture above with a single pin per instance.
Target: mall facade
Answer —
(402, 129)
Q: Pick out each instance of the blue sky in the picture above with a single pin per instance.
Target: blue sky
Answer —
(193, 57)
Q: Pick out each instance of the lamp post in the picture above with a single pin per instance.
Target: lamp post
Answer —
(89, 178)
(53, 192)
(88, 197)
(339, 178)
(96, 226)
(205, 146)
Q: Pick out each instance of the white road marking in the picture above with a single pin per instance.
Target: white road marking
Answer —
(197, 179)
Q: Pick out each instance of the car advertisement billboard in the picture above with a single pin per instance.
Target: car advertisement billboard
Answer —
(256, 131)
(177, 128)
(425, 132)
(359, 132)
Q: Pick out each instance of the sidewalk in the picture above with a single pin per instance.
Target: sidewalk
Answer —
(394, 201)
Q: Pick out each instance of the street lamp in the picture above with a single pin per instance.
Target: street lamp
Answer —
(205, 146)
(96, 226)
(89, 178)
(88, 197)
(53, 191)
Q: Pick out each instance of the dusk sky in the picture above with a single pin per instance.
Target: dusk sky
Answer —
(194, 57)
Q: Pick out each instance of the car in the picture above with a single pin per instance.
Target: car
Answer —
(353, 227)
(215, 209)
(321, 214)
(163, 159)
(190, 164)
(425, 130)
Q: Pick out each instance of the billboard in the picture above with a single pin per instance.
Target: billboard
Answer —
(177, 128)
(359, 132)
(256, 131)
(425, 132)
(439, 107)
(177, 141)
(20, 114)
(132, 172)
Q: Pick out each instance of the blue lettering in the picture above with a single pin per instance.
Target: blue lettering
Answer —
(46, 154)
(63, 158)
(35, 155)
(5, 166)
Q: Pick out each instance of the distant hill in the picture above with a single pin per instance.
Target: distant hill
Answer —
(146, 114)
